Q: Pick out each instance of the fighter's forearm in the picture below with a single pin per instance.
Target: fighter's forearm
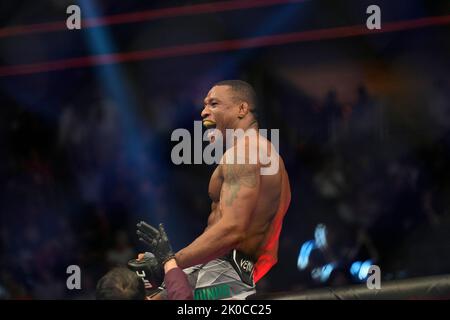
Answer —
(215, 242)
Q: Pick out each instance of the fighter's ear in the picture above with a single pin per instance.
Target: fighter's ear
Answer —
(244, 108)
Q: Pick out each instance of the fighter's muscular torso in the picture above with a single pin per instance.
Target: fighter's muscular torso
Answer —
(247, 211)
(261, 238)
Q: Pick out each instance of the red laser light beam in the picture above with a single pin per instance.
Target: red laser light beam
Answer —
(213, 7)
(220, 46)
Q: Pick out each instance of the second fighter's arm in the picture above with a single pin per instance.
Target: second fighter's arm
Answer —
(238, 198)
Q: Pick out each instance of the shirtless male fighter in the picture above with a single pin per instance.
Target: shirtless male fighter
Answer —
(240, 242)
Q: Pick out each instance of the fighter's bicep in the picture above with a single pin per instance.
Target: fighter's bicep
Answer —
(239, 191)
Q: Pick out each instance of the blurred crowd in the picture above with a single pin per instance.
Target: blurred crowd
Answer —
(377, 177)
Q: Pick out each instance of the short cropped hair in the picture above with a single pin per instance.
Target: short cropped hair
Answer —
(243, 91)
(120, 284)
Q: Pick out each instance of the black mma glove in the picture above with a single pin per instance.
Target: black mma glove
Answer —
(156, 240)
(150, 271)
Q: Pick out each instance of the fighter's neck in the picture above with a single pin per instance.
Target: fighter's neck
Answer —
(252, 125)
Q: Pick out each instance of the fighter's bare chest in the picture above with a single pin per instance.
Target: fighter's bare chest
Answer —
(215, 184)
